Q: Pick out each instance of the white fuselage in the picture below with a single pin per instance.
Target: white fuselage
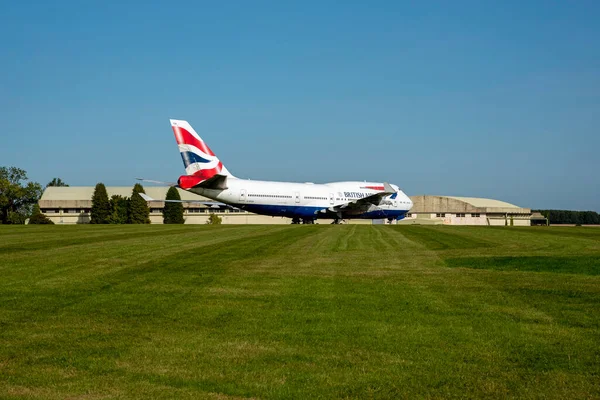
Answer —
(308, 200)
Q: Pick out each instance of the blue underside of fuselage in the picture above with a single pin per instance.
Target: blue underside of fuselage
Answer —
(311, 212)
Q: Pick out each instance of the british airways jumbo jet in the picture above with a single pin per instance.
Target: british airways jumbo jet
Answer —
(207, 176)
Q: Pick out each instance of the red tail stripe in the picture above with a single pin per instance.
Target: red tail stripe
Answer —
(189, 181)
(184, 137)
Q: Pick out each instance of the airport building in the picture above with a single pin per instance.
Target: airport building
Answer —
(72, 205)
(448, 210)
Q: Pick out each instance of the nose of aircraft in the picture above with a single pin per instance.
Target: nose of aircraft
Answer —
(409, 201)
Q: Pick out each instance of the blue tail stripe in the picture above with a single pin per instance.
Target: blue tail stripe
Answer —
(191, 158)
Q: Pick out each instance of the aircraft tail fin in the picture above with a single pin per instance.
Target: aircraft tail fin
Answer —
(198, 158)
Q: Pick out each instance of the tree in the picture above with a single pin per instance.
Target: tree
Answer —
(139, 213)
(173, 212)
(16, 198)
(38, 218)
(214, 219)
(100, 205)
(119, 207)
(571, 217)
(57, 182)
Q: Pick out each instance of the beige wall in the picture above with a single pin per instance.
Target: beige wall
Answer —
(482, 220)
(517, 221)
(452, 219)
(68, 218)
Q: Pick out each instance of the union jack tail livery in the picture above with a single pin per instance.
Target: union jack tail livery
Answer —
(200, 162)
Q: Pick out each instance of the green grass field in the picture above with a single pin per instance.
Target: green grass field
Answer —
(94, 312)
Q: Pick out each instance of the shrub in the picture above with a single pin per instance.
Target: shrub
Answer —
(214, 219)
(38, 218)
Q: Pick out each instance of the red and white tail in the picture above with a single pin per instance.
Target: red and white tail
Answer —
(198, 158)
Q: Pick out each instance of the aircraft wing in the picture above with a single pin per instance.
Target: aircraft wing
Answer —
(159, 182)
(212, 204)
(218, 182)
(365, 202)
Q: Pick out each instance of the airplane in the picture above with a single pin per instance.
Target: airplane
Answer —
(302, 202)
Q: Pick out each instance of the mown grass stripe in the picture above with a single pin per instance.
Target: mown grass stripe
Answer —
(587, 265)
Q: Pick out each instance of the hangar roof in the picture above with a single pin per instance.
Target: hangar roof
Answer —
(479, 202)
(442, 204)
(82, 193)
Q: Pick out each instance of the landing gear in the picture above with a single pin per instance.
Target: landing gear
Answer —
(338, 221)
(305, 221)
(390, 221)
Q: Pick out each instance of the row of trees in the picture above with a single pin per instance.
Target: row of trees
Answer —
(571, 217)
(19, 198)
(132, 210)
(119, 209)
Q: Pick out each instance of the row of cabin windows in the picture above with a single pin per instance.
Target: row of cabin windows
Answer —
(287, 197)
(211, 210)
(201, 210)
(276, 196)
(152, 210)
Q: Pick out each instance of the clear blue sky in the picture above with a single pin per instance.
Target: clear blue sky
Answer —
(488, 99)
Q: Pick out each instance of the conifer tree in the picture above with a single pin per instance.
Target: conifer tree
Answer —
(173, 212)
(139, 213)
(119, 208)
(100, 205)
(38, 218)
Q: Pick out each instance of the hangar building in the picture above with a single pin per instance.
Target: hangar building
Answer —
(450, 210)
